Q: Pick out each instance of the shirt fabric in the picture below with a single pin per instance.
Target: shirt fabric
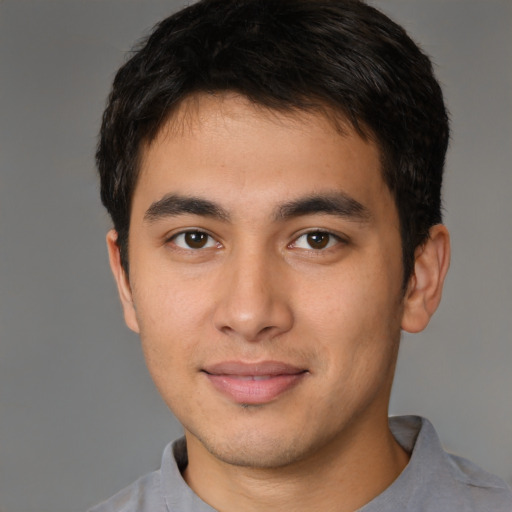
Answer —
(432, 481)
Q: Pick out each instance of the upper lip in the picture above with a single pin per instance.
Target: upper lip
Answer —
(243, 369)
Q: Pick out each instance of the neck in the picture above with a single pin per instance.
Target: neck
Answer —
(343, 476)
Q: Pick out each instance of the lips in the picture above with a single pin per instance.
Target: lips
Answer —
(254, 383)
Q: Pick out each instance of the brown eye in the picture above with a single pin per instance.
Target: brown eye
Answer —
(196, 239)
(193, 240)
(318, 240)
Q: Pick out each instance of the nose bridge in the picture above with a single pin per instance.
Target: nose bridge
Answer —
(251, 304)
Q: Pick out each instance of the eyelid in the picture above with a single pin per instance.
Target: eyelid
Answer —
(213, 242)
(337, 239)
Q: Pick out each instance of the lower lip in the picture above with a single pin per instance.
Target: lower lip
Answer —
(245, 390)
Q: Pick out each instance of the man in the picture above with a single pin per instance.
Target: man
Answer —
(273, 172)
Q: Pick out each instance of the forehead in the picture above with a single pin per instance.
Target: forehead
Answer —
(218, 140)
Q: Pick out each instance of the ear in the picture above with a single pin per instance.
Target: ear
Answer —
(423, 295)
(123, 284)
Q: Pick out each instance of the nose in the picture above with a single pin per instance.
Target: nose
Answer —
(253, 302)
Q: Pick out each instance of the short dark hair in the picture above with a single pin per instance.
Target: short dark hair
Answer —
(342, 56)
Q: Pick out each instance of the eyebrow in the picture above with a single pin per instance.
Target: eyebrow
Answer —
(173, 204)
(338, 204)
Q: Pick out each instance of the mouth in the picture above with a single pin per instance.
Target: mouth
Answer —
(254, 383)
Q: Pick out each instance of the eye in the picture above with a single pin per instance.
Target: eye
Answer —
(316, 240)
(194, 240)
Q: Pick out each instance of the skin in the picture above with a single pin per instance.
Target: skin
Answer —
(260, 289)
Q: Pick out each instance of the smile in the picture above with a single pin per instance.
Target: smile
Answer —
(254, 384)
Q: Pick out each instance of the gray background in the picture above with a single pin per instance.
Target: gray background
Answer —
(79, 417)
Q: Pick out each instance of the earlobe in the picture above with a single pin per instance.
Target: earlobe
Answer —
(425, 287)
(123, 284)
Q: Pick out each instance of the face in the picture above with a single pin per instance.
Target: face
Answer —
(265, 280)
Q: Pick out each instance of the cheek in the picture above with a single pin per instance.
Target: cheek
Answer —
(355, 317)
(169, 320)
(172, 317)
(352, 296)
(168, 302)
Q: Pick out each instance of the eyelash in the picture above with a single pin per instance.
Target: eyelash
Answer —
(332, 240)
(210, 242)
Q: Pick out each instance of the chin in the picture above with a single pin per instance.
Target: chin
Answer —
(263, 450)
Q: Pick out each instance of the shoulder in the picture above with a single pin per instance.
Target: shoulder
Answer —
(147, 494)
(164, 490)
(477, 488)
(458, 481)
(436, 481)
(144, 495)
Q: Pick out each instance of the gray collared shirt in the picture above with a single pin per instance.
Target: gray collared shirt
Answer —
(433, 481)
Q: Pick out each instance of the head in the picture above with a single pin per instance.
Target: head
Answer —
(339, 57)
(273, 171)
